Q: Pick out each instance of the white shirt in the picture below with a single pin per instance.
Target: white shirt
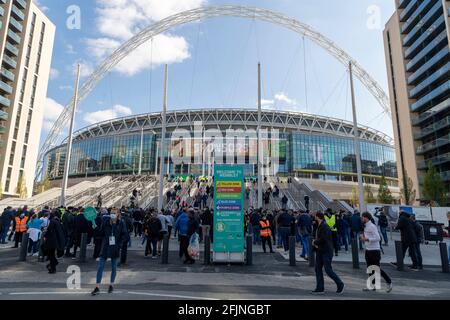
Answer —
(371, 234)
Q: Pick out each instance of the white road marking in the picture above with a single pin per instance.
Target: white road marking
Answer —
(170, 296)
(53, 292)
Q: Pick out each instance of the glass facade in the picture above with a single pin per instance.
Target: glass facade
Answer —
(308, 155)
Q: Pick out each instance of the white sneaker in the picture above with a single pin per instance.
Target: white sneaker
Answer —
(389, 288)
(36, 254)
(98, 259)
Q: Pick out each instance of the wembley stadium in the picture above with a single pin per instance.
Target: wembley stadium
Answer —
(309, 146)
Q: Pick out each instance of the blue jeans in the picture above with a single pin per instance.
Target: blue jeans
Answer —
(384, 234)
(101, 267)
(285, 233)
(4, 234)
(343, 240)
(305, 245)
(279, 242)
(33, 246)
(323, 260)
(449, 255)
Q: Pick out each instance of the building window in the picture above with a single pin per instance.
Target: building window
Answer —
(11, 156)
(24, 155)
(8, 179)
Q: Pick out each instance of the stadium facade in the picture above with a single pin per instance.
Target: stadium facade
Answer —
(303, 145)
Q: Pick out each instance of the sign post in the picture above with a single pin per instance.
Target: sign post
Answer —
(228, 214)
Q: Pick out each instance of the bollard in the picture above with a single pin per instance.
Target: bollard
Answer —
(444, 257)
(399, 255)
(23, 247)
(41, 250)
(311, 254)
(355, 253)
(292, 243)
(249, 251)
(83, 247)
(207, 250)
(165, 253)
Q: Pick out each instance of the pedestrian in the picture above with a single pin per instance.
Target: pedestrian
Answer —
(284, 202)
(304, 224)
(255, 217)
(81, 226)
(371, 237)
(170, 221)
(125, 222)
(97, 234)
(284, 223)
(181, 226)
(418, 229)
(152, 229)
(206, 222)
(330, 219)
(266, 233)
(99, 201)
(6, 219)
(164, 230)
(408, 239)
(34, 230)
(54, 242)
(383, 223)
(323, 245)
(342, 230)
(68, 223)
(357, 227)
(113, 237)
(21, 228)
(137, 222)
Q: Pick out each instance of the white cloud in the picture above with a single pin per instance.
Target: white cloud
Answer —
(54, 74)
(65, 88)
(70, 49)
(119, 20)
(282, 97)
(40, 6)
(86, 68)
(267, 103)
(52, 111)
(107, 114)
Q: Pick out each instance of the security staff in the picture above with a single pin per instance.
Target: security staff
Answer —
(330, 219)
(266, 233)
(21, 228)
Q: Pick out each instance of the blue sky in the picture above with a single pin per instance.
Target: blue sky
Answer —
(213, 63)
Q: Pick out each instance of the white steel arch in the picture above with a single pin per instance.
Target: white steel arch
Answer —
(201, 14)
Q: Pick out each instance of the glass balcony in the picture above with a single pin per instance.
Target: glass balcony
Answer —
(2, 12)
(408, 11)
(9, 61)
(433, 61)
(2, 129)
(433, 144)
(7, 74)
(3, 115)
(14, 37)
(437, 26)
(12, 49)
(403, 3)
(21, 3)
(425, 21)
(4, 102)
(422, 165)
(430, 113)
(441, 38)
(445, 175)
(5, 87)
(439, 74)
(17, 13)
(441, 124)
(443, 88)
(16, 26)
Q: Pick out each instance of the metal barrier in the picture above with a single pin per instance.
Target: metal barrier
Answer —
(23, 247)
(444, 257)
(399, 255)
(83, 247)
(292, 243)
(207, 254)
(249, 252)
(165, 253)
(355, 253)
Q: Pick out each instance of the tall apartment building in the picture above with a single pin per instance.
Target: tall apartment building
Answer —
(26, 45)
(416, 40)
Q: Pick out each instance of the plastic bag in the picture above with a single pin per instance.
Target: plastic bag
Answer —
(194, 247)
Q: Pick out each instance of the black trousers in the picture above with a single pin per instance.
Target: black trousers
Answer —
(373, 258)
(335, 242)
(412, 252)
(184, 244)
(97, 247)
(53, 262)
(137, 229)
(17, 239)
(269, 241)
(123, 252)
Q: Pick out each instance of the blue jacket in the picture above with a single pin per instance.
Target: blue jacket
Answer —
(182, 224)
(356, 223)
(36, 224)
(7, 217)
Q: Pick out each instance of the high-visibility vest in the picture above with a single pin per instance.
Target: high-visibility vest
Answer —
(331, 222)
(265, 230)
(21, 224)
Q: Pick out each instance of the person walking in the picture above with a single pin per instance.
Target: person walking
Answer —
(164, 230)
(357, 227)
(68, 223)
(206, 223)
(34, 230)
(153, 229)
(6, 219)
(284, 202)
(383, 223)
(371, 238)
(255, 217)
(170, 222)
(342, 229)
(266, 234)
(284, 223)
(54, 242)
(125, 222)
(99, 201)
(113, 237)
(418, 229)
(323, 245)
(304, 224)
(408, 239)
(181, 227)
(330, 219)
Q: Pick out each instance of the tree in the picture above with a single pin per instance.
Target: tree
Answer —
(368, 194)
(408, 192)
(21, 188)
(433, 186)
(44, 185)
(354, 200)
(384, 194)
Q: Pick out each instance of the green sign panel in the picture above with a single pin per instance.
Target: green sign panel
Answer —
(229, 190)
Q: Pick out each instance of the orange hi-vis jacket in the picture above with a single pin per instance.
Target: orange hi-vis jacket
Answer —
(265, 229)
(21, 224)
